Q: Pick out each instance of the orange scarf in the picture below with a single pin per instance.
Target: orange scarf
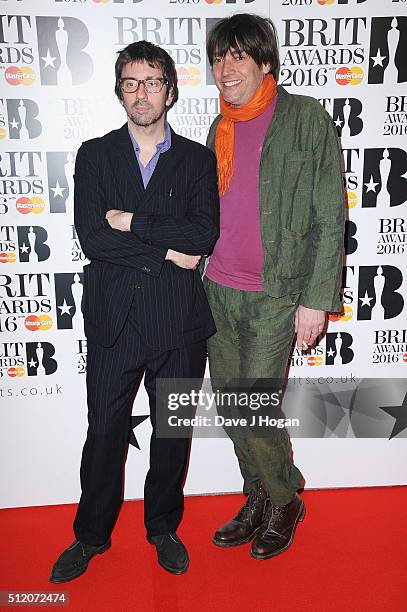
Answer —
(225, 132)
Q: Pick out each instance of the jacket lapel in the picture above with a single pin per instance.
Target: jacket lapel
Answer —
(279, 115)
(127, 166)
(166, 165)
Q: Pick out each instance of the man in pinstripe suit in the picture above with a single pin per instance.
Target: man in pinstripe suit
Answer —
(146, 210)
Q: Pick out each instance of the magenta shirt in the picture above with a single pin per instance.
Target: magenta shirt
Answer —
(237, 259)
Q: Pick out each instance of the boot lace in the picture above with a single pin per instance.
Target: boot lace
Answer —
(248, 507)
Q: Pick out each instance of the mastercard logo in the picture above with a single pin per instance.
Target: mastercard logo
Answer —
(345, 316)
(34, 205)
(405, 357)
(15, 75)
(349, 76)
(314, 360)
(213, 1)
(3, 133)
(351, 199)
(35, 322)
(323, 2)
(14, 372)
(188, 76)
(7, 258)
(101, 1)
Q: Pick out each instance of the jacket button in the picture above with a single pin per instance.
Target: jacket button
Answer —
(145, 269)
(133, 286)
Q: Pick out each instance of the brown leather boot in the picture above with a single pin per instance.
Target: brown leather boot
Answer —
(244, 526)
(277, 531)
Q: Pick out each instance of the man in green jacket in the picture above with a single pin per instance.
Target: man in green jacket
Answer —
(276, 268)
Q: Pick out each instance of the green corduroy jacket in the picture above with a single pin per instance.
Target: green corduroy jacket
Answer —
(302, 205)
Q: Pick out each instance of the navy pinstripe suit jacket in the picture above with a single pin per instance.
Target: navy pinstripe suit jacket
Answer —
(178, 210)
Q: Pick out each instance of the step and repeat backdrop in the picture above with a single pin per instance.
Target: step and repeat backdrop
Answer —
(56, 78)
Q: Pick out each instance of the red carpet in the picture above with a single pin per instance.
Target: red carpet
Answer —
(350, 553)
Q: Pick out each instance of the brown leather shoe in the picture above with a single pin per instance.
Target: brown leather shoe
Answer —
(277, 532)
(248, 520)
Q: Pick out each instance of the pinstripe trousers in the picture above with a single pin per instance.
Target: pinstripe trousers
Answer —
(113, 375)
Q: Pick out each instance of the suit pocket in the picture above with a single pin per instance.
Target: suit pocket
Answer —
(295, 253)
(297, 190)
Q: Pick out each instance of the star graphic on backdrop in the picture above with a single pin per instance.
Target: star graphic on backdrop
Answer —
(135, 421)
(32, 363)
(24, 248)
(330, 353)
(336, 404)
(400, 414)
(371, 185)
(366, 299)
(14, 124)
(65, 308)
(58, 190)
(48, 60)
(338, 122)
(378, 59)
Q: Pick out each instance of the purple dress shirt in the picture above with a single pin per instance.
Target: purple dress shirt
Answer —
(147, 171)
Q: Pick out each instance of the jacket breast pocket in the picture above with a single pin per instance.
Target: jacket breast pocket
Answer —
(297, 189)
(295, 254)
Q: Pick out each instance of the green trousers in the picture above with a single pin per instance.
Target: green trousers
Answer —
(253, 341)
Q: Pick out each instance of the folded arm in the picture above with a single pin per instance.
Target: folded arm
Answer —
(197, 232)
(98, 240)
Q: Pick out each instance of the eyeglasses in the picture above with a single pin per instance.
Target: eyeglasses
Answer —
(152, 86)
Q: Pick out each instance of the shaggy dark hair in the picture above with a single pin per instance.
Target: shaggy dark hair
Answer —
(255, 35)
(155, 57)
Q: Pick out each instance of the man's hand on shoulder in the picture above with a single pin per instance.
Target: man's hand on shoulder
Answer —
(309, 324)
(119, 220)
(188, 262)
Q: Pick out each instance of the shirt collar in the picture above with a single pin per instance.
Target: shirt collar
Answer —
(161, 147)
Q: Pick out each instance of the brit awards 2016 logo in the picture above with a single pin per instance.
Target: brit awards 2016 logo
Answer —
(313, 357)
(80, 117)
(76, 250)
(388, 50)
(21, 181)
(192, 117)
(389, 346)
(25, 302)
(62, 43)
(19, 119)
(16, 50)
(346, 114)
(380, 293)
(395, 123)
(181, 37)
(60, 168)
(18, 359)
(82, 352)
(352, 171)
(384, 178)
(68, 296)
(26, 244)
(335, 349)
(313, 48)
(392, 236)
